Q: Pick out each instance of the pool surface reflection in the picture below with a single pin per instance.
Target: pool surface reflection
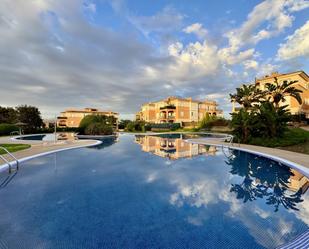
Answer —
(152, 192)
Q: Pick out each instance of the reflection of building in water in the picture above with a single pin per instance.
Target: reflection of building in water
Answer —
(173, 148)
(298, 181)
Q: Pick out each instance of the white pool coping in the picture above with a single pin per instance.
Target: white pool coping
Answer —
(302, 169)
(6, 166)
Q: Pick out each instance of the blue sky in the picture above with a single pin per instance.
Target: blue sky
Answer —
(119, 54)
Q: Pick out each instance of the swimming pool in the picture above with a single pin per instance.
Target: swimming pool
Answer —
(152, 192)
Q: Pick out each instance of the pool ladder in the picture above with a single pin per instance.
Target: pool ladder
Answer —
(7, 161)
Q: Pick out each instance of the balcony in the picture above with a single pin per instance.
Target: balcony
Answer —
(167, 116)
(170, 107)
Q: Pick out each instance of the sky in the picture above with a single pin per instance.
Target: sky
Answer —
(118, 54)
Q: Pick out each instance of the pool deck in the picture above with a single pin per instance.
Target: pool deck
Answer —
(293, 159)
(40, 148)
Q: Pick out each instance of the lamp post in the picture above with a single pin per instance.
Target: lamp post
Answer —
(55, 126)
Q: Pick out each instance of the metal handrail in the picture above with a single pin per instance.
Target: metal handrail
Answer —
(15, 132)
(11, 155)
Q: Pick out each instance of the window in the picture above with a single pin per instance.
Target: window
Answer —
(192, 114)
(181, 114)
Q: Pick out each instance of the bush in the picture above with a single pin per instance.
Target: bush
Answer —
(98, 129)
(290, 137)
(96, 123)
(6, 129)
(133, 126)
(209, 121)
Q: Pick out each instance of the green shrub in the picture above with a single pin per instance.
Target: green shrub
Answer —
(137, 125)
(6, 129)
(91, 122)
(210, 120)
(289, 137)
(98, 129)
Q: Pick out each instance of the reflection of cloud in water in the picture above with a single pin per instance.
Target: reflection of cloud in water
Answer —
(197, 194)
(304, 214)
(201, 189)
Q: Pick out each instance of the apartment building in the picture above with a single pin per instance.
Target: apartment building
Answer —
(302, 83)
(73, 117)
(178, 110)
(173, 148)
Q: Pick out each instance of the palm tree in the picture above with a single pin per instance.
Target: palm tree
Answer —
(247, 96)
(277, 92)
(243, 122)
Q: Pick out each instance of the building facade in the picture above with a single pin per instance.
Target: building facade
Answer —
(302, 84)
(177, 110)
(72, 117)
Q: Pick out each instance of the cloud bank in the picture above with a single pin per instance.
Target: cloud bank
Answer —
(57, 56)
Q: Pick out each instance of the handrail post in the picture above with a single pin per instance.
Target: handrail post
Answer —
(7, 161)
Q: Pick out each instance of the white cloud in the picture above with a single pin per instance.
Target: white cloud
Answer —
(274, 13)
(297, 5)
(91, 7)
(197, 29)
(229, 55)
(194, 60)
(165, 20)
(296, 45)
(266, 20)
(251, 64)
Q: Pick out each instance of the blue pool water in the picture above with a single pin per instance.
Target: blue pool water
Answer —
(152, 192)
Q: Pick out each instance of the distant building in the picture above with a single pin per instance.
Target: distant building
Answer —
(49, 123)
(302, 83)
(186, 111)
(73, 117)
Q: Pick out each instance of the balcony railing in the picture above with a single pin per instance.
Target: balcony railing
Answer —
(168, 107)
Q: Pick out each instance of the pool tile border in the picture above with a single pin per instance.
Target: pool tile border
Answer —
(300, 168)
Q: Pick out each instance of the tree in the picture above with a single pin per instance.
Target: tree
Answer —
(206, 120)
(97, 125)
(123, 123)
(277, 92)
(261, 116)
(137, 125)
(8, 115)
(247, 96)
(243, 123)
(272, 121)
(98, 129)
(30, 116)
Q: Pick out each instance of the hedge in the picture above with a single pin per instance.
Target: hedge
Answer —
(6, 129)
(170, 126)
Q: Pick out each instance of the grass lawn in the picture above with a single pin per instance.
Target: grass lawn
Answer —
(292, 136)
(13, 147)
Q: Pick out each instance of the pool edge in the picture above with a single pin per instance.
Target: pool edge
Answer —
(302, 169)
(27, 158)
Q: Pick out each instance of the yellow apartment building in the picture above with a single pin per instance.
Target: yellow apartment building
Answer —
(173, 148)
(302, 83)
(73, 117)
(178, 110)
